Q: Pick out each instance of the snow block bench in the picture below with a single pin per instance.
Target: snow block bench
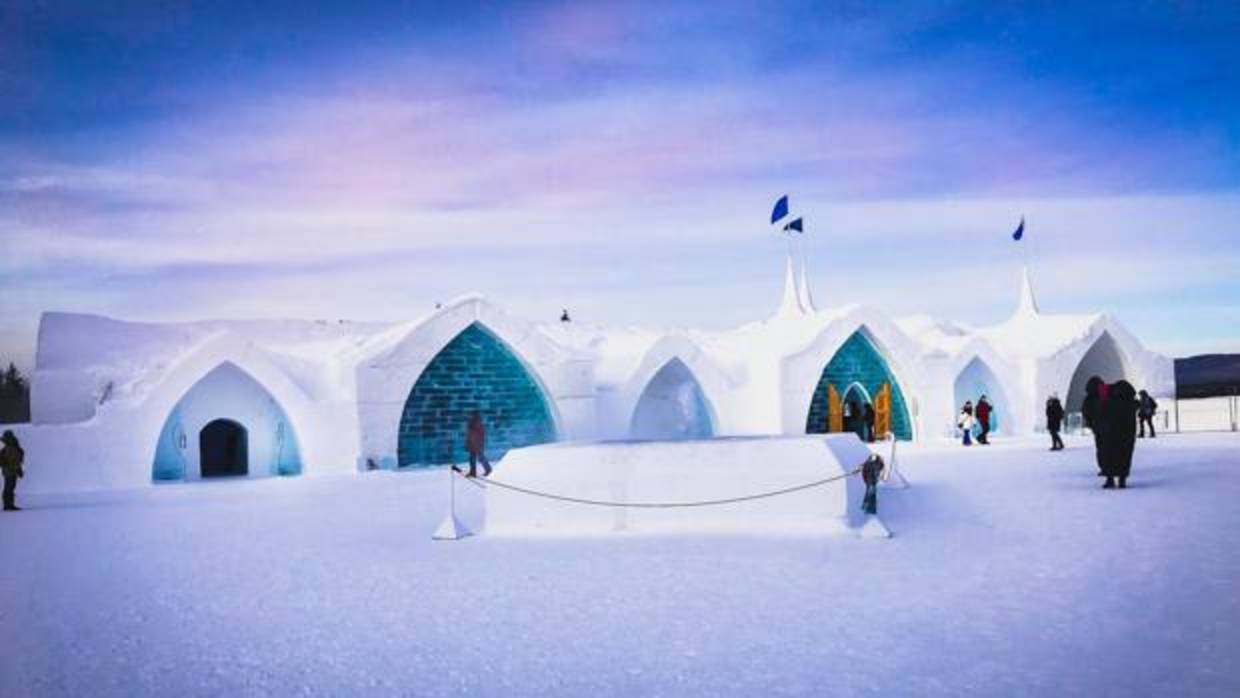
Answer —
(683, 471)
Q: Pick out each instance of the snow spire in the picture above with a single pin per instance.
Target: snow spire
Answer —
(1028, 305)
(791, 304)
(803, 293)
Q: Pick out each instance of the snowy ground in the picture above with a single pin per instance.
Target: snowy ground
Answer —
(1011, 574)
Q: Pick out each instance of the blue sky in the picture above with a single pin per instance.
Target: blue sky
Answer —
(365, 160)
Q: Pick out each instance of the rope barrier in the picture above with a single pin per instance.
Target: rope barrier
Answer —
(483, 484)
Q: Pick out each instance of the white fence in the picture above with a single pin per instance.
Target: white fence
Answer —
(1196, 414)
(1201, 414)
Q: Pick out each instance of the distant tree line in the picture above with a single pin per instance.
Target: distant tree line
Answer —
(14, 396)
(1208, 375)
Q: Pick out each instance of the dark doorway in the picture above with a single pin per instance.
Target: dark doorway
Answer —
(222, 448)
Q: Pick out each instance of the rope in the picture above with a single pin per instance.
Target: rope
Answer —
(656, 505)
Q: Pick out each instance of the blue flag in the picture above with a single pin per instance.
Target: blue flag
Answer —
(795, 225)
(781, 209)
(1020, 230)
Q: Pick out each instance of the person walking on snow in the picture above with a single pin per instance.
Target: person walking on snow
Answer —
(871, 472)
(1054, 420)
(1145, 413)
(983, 420)
(475, 443)
(1119, 416)
(11, 458)
(965, 422)
(1091, 411)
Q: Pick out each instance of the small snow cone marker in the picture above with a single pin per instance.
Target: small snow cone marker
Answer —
(451, 528)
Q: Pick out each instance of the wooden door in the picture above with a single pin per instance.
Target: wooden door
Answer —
(882, 411)
(835, 410)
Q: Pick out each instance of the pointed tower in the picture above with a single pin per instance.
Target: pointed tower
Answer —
(791, 304)
(803, 292)
(1028, 304)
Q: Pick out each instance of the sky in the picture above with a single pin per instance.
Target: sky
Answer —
(180, 161)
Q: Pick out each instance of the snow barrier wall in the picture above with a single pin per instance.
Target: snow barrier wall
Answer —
(684, 471)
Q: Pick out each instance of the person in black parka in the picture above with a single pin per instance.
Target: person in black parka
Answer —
(871, 473)
(1119, 413)
(1054, 420)
(1091, 410)
(1145, 413)
(11, 458)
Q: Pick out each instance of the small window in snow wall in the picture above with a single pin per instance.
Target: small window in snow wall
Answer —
(475, 371)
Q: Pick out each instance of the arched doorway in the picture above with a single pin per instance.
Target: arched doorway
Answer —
(1103, 359)
(975, 380)
(672, 407)
(228, 394)
(853, 407)
(857, 361)
(474, 371)
(223, 448)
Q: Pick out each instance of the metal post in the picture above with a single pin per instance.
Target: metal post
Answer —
(895, 479)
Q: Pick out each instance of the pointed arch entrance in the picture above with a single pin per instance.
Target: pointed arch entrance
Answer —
(1104, 359)
(672, 407)
(857, 366)
(227, 423)
(474, 371)
(975, 380)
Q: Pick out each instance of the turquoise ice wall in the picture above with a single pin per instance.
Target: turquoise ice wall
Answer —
(857, 361)
(169, 452)
(475, 371)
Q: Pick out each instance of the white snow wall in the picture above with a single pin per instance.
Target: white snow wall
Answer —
(227, 393)
(660, 472)
(116, 447)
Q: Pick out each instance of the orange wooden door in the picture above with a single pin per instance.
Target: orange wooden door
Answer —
(882, 411)
(835, 410)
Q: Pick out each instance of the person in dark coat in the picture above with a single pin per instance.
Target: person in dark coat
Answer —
(1119, 415)
(1091, 410)
(869, 422)
(476, 443)
(1145, 413)
(871, 472)
(853, 419)
(11, 458)
(1054, 420)
(983, 411)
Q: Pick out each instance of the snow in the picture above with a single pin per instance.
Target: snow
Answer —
(1010, 574)
(681, 471)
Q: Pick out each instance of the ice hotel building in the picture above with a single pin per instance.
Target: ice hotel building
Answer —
(121, 404)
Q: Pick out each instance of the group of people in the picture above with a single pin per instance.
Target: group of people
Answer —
(860, 419)
(1110, 412)
(1147, 407)
(975, 417)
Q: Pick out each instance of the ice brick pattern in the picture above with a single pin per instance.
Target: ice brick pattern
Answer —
(475, 371)
(857, 361)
